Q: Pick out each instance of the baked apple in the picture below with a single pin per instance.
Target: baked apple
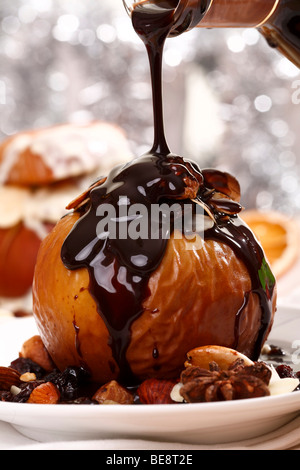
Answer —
(40, 171)
(130, 307)
(17, 264)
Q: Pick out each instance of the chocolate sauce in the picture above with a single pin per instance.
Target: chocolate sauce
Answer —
(242, 241)
(161, 16)
(120, 266)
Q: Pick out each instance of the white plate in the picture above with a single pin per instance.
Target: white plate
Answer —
(205, 423)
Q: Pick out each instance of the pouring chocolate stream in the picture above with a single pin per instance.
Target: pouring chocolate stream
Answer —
(119, 267)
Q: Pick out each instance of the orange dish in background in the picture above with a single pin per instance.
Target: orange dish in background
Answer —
(279, 236)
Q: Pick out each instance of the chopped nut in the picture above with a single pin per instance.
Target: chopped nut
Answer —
(175, 393)
(14, 390)
(113, 392)
(28, 377)
(8, 377)
(191, 189)
(155, 391)
(46, 394)
(35, 350)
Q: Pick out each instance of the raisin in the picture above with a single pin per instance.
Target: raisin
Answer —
(276, 351)
(285, 371)
(69, 381)
(23, 365)
(6, 396)
(24, 394)
(52, 376)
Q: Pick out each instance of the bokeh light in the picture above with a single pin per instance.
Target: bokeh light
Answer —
(228, 95)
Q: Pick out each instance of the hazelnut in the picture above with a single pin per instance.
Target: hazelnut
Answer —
(156, 392)
(113, 393)
(35, 350)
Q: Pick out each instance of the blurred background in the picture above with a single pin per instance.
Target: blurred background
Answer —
(228, 95)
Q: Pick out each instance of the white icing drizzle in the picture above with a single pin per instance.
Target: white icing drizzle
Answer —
(70, 149)
(11, 155)
(34, 207)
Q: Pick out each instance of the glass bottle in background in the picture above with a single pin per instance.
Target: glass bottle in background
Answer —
(277, 20)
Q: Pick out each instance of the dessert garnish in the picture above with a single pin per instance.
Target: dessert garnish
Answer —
(25, 381)
(238, 382)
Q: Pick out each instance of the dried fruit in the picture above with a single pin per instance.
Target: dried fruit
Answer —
(35, 350)
(69, 381)
(22, 393)
(238, 382)
(154, 391)
(113, 393)
(284, 371)
(8, 378)
(46, 394)
(23, 365)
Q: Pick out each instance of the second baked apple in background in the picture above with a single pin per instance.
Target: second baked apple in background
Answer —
(40, 172)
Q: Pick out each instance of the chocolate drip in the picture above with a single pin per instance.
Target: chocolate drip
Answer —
(242, 241)
(120, 267)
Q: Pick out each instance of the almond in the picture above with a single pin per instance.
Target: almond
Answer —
(8, 378)
(35, 350)
(156, 392)
(113, 393)
(45, 394)
(224, 357)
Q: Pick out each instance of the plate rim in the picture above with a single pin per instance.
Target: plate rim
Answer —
(293, 397)
(50, 418)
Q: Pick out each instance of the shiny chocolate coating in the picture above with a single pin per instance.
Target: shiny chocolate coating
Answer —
(121, 270)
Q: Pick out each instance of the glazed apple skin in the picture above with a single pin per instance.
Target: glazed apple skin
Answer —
(194, 300)
(18, 252)
(66, 314)
(195, 296)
